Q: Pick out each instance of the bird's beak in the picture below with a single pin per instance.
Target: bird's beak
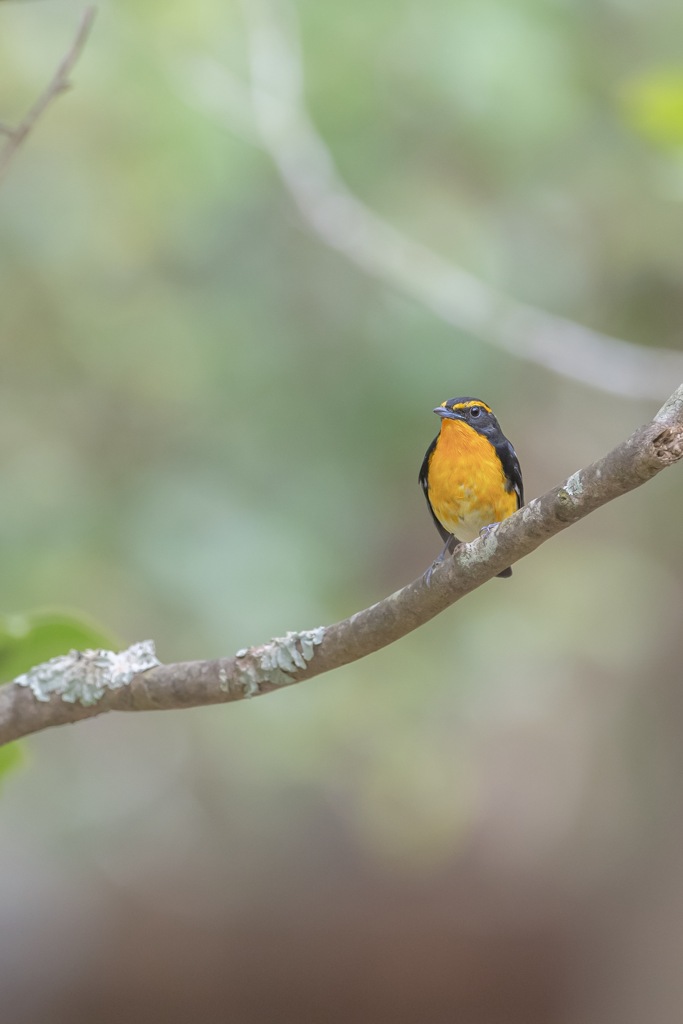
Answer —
(445, 414)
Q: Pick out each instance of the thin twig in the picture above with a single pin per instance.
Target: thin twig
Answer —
(58, 84)
(42, 698)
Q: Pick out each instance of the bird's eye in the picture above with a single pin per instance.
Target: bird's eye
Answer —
(475, 411)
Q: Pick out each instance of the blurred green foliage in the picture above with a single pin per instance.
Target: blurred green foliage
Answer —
(654, 105)
(211, 426)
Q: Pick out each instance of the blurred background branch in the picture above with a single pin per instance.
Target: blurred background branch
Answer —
(59, 83)
(271, 109)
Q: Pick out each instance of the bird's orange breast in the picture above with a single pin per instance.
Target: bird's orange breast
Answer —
(467, 485)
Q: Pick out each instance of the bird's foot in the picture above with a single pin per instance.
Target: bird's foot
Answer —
(430, 570)
(448, 549)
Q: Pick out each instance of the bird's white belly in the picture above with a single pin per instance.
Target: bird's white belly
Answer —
(467, 522)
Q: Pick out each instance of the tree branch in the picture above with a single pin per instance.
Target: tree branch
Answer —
(58, 84)
(44, 697)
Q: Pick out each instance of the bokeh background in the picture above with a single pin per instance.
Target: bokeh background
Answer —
(211, 424)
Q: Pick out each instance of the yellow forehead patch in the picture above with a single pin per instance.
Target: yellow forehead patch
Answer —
(468, 405)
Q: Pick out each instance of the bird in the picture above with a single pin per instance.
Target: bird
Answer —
(470, 474)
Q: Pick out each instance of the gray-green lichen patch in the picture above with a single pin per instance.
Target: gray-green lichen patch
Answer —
(83, 676)
(574, 486)
(284, 655)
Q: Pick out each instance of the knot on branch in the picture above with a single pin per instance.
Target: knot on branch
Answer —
(567, 498)
(667, 445)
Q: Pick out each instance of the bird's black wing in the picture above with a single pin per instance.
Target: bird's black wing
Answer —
(423, 480)
(511, 468)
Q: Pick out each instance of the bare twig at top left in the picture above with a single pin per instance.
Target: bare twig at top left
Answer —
(59, 83)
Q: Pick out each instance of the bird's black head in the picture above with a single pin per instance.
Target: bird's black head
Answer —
(471, 411)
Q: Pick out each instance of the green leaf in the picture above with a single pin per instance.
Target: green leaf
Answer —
(11, 756)
(653, 106)
(27, 640)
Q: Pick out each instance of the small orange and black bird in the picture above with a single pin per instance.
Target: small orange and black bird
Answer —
(470, 475)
